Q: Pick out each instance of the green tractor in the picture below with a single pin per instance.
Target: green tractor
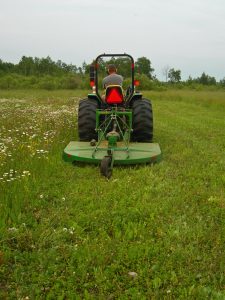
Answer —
(118, 130)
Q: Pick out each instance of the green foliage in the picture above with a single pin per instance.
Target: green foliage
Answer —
(46, 74)
(204, 79)
(123, 66)
(48, 82)
(143, 66)
(145, 82)
(8, 82)
(174, 75)
(29, 66)
(222, 82)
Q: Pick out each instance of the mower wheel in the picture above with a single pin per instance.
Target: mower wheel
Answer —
(142, 121)
(87, 119)
(105, 167)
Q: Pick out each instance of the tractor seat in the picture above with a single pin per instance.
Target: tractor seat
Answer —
(114, 94)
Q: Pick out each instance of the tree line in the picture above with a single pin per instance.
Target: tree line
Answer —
(45, 73)
(29, 66)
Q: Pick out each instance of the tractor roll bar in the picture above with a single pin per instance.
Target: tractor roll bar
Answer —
(113, 55)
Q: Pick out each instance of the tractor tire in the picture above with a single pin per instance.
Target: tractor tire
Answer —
(87, 120)
(142, 121)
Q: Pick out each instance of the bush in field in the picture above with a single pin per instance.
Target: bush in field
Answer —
(9, 82)
(47, 83)
(69, 82)
(146, 83)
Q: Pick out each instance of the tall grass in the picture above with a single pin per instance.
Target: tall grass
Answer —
(151, 232)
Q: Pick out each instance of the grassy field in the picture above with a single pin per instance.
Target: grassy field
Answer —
(150, 232)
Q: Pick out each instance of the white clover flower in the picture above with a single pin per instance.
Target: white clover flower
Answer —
(26, 172)
(132, 274)
(13, 229)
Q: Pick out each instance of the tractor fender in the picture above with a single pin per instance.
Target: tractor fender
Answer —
(94, 96)
(135, 97)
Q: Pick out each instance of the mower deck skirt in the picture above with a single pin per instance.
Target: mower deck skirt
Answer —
(137, 153)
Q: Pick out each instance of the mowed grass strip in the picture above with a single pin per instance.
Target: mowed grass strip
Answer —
(150, 232)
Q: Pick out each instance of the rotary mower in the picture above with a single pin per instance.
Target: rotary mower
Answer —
(116, 131)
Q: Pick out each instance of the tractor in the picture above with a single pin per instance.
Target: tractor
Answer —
(116, 131)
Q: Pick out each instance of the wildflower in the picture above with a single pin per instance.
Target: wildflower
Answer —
(133, 274)
(26, 173)
(12, 229)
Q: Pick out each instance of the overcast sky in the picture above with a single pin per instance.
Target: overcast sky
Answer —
(184, 34)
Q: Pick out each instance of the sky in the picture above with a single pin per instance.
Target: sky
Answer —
(188, 35)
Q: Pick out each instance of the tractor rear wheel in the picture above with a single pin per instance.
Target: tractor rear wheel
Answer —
(87, 120)
(142, 121)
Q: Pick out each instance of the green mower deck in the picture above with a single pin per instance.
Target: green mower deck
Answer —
(136, 153)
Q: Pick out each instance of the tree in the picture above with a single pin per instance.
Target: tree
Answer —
(26, 65)
(174, 75)
(206, 79)
(85, 68)
(123, 65)
(6, 67)
(222, 82)
(143, 66)
(165, 71)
